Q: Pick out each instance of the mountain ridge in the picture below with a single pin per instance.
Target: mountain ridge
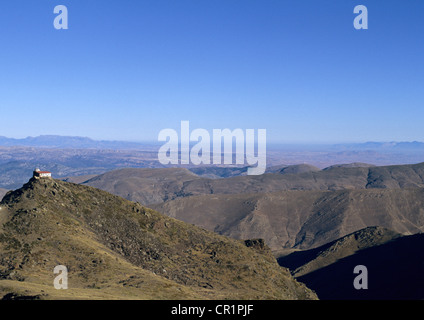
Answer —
(115, 248)
(57, 141)
(336, 178)
(86, 142)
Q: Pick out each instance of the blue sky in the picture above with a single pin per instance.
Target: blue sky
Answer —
(124, 70)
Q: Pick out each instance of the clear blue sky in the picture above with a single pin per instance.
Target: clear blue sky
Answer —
(126, 69)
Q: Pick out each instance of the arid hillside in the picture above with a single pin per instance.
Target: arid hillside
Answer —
(117, 249)
(301, 219)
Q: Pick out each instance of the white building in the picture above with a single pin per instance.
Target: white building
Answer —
(42, 174)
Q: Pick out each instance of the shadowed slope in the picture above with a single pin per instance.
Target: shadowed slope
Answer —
(395, 268)
(307, 261)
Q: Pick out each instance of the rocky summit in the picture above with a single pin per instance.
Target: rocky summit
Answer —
(113, 248)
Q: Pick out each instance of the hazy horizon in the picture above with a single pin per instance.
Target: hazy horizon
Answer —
(271, 143)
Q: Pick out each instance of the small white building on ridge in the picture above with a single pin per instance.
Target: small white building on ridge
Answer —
(42, 174)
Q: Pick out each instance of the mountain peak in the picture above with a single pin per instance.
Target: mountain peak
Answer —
(126, 250)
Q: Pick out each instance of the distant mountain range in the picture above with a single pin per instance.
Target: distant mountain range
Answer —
(382, 146)
(55, 141)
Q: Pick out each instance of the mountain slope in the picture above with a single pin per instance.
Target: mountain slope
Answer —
(394, 265)
(350, 165)
(114, 248)
(301, 219)
(174, 183)
(332, 179)
(299, 168)
(215, 172)
(144, 185)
